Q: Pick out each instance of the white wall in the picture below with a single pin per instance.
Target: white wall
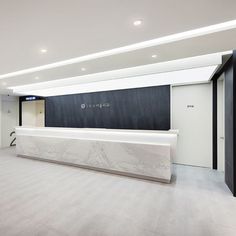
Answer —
(192, 116)
(28, 113)
(40, 114)
(0, 121)
(9, 118)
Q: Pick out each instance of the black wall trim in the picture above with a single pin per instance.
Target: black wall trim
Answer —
(139, 108)
(20, 112)
(234, 121)
(221, 70)
(214, 123)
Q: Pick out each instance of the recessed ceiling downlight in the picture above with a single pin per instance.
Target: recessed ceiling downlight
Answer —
(43, 50)
(83, 69)
(137, 22)
(154, 56)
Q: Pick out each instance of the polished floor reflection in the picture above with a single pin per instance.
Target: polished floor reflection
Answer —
(39, 198)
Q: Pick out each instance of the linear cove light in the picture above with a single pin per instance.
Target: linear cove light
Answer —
(161, 67)
(195, 75)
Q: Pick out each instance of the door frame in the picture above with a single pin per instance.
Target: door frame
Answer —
(190, 84)
(229, 69)
(27, 99)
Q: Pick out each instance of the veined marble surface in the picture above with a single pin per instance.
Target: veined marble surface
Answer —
(116, 135)
(145, 160)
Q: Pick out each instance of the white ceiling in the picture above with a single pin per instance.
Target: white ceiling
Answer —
(73, 28)
(172, 51)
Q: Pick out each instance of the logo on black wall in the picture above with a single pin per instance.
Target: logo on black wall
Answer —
(83, 106)
(97, 105)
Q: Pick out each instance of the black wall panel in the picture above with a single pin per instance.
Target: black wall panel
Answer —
(230, 124)
(140, 108)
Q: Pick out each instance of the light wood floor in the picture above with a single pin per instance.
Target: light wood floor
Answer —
(43, 199)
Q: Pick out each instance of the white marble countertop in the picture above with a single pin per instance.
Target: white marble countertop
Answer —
(122, 135)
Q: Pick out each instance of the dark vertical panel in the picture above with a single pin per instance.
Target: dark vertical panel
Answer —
(140, 108)
(230, 121)
(20, 112)
(234, 124)
(214, 133)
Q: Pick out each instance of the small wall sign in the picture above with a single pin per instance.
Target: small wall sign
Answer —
(30, 98)
(97, 105)
(190, 106)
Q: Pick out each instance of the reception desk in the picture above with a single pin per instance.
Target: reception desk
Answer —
(137, 153)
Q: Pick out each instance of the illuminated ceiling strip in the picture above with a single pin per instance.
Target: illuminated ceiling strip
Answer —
(150, 43)
(189, 76)
(175, 65)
